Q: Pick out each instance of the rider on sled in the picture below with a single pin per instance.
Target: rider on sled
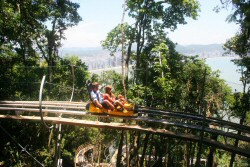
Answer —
(109, 95)
(97, 97)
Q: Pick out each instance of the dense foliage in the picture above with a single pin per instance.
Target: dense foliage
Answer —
(240, 45)
(159, 77)
(30, 36)
(166, 79)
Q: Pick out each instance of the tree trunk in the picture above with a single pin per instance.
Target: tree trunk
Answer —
(203, 111)
(167, 153)
(119, 155)
(187, 153)
(127, 150)
(134, 153)
(212, 154)
(123, 78)
(127, 62)
(136, 149)
(51, 44)
(56, 148)
(192, 153)
(144, 149)
(150, 150)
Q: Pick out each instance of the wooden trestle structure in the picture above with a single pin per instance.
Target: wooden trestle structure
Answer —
(74, 113)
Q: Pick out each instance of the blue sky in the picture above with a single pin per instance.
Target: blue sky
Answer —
(101, 16)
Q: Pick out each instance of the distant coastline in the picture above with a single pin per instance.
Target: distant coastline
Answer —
(97, 58)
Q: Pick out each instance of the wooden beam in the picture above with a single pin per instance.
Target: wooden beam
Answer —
(67, 112)
(137, 119)
(122, 126)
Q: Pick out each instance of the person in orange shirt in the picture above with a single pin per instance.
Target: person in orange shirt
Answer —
(122, 99)
(109, 95)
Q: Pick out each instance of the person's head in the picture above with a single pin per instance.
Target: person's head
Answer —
(120, 97)
(95, 85)
(108, 88)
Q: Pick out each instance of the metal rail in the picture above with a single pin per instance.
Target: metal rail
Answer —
(148, 120)
(124, 126)
(189, 116)
(40, 103)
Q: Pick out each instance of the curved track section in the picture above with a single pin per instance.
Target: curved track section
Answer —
(149, 120)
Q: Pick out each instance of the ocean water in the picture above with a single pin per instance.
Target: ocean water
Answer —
(228, 71)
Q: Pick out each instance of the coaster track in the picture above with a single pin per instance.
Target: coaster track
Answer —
(148, 120)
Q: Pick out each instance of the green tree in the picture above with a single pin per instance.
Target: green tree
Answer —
(240, 45)
(114, 41)
(151, 20)
(62, 14)
(24, 27)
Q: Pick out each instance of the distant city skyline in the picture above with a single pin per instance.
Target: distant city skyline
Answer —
(100, 17)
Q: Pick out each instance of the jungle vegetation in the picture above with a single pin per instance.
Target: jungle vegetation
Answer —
(161, 78)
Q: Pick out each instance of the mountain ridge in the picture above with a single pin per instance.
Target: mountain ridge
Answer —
(183, 49)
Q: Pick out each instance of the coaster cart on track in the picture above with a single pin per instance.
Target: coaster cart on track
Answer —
(129, 109)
